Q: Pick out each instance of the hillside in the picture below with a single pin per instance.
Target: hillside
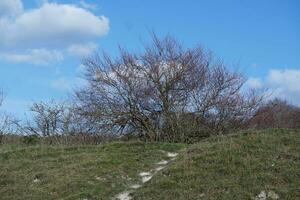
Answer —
(82, 172)
(248, 166)
(229, 167)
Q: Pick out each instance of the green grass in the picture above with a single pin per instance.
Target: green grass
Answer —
(232, 167)
(86, 172)
(227, 167)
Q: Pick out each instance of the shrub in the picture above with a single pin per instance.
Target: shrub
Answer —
(30, 139)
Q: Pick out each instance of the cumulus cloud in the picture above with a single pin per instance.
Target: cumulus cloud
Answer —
(10, 8)
(34, 56)
(50, 26)
(281, 83)
(41, 2)
(287, 79)
(254, 83)
(82, 50)
(86, 5)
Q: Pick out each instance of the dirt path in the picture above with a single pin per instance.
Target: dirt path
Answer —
(146, 176)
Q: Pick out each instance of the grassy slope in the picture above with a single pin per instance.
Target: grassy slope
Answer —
(234, 167)
(87, 172)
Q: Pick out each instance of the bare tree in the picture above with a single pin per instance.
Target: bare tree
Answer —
(276, 113)
(8, 123)
(49, 118)
(151, 94)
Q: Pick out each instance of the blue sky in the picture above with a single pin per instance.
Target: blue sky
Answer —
(42, 42)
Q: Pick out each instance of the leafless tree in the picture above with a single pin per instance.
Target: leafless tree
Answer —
(152, 93)
(49, 118)
(8, 123)
(276, 113)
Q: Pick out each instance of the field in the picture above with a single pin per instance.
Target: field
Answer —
(238, 166)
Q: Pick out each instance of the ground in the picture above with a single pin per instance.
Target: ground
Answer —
(251, 165)
(232, 167)
(81, 172)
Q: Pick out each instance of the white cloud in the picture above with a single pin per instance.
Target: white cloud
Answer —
(288, 79)
(285, 84)
(34, 56)
(10, 8)
(254, 83)
(280, 83)
(82, 50)
(52, 24)
(86, 5)
(41, 2)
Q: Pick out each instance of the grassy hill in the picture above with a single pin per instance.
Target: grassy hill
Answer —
(229, 167)
(232, 167)
(82, 172)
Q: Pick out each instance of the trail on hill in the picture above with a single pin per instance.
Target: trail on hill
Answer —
(146, 176)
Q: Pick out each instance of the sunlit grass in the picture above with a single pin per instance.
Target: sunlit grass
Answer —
(232, 167)
(83, 172)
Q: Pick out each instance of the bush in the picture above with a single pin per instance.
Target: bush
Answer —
(30, 139)
(276, 113)
(165, 93)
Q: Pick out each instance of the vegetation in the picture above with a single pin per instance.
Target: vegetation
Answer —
(234, 167)
(166, 93)
(8, 123)
(238, 166)
(276, 113)
(95, 145)
(77, 172)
